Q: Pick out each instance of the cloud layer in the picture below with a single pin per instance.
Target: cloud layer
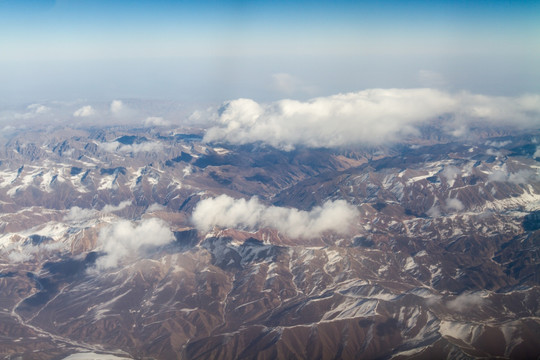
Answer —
(225, 211)
(373, 116)
(124, 239)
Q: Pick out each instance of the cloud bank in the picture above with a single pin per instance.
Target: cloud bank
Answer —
(375, 116)
(124, 239)
(225, 211)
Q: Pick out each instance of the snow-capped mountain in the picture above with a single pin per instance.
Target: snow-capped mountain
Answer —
(156, 244)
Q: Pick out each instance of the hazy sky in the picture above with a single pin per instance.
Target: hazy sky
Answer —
(208, 51)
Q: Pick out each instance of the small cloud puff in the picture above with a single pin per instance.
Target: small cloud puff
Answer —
(120, 110)
(450, 172)
(434, 212)
(76, 214)
(454, 204)
(465, 302)
(126, 239)
(84, 111)
(116, 107)
(225, 211)
(156, 121)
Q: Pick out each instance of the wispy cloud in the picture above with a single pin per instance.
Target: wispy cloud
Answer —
(375, 116)
(225, 211)
(431, 79)
(121, 111)
(466, 302)
(32, 111)
(113, 208)
(288, 84)
(38, 108)
(76, 214)
(147, 146)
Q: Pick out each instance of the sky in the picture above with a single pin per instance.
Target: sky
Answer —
(213, 51)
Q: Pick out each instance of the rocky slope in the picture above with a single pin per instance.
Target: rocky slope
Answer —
(441, 260)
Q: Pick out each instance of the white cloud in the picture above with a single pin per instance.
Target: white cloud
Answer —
(465, 302)
(117, 106)
(109, 146)
(537, 152)
(120, 110)
(498, 143)
(373, 116)
(224, 211)
(450, 172)
(156, 121)
(454, 204)
(493, 152)
(147, 146)
(150, 146)
(519, 177)
(126, 239)
(34, 110)
(22, 252)
(84, 111)
(112, 208)
(76, 213)
(434, 212)
(155, 207)
(188, 170)
(38, 108)
(18, 257)
(522, 177)
(79, 214)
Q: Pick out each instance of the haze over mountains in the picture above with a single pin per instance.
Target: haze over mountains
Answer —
(269, 179)
(383, 223)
